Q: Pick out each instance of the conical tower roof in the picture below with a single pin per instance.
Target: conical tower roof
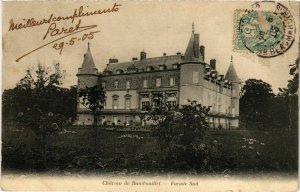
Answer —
(88, 65)
(231, 74)
(88, 61)
(192, 52)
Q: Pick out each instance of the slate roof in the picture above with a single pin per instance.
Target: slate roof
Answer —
(88, 64)
(231, 74)
(155, 62)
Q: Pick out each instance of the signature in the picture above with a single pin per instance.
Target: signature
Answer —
(32, 22)
(53, 31)
(60, 46)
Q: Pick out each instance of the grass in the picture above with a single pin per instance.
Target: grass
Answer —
(136, 151)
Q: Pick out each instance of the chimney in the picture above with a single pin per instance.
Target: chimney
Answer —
(134, 58)
(113, 60)
(196, 45)
(213, 63)
(202, 52)
(143, 55)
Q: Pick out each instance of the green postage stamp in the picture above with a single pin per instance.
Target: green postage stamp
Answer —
(267, 33)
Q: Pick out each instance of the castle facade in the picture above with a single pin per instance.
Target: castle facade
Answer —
(129, 86)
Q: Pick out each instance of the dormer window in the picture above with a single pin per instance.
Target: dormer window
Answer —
(116, 84)
(149, 68)
(107, 72)
(120, 71)
(132, 69)
(175, 66)
(162, 67)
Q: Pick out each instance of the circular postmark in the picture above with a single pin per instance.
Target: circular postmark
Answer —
(267, 32)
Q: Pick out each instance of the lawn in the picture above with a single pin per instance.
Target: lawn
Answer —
(72, 150)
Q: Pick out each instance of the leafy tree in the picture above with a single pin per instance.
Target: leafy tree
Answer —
(93, 98)
(32, 100)
(255, 102)
(181, 130)
(290, 94)
(40, 87)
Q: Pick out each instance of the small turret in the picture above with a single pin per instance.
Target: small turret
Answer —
(232, 76)
(88, 73)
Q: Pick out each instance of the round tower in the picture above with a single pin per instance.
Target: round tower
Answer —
(87, 77)
(231, 76)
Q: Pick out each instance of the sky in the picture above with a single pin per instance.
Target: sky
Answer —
(153, 26)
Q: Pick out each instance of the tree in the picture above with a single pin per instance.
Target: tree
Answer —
(255, 102)
(40, 87)
(180, 129)
(291, 95)
(32, 99)
(93, 98)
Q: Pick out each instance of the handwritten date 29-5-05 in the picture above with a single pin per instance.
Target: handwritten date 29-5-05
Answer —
(60, 46)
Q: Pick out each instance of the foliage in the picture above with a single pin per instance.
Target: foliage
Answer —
(290, 95)
(255, 101)
(41, 88)
(180, 130)
(221, 152)
(93, 98)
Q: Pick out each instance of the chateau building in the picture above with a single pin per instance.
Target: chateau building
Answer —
(129, 86)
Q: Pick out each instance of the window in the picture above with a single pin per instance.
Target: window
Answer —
(145, 96)
(127, 103)
(145, 83)
(115, 103)
(102, 120)
(171, 95)
(149, 68)
(127, 120)
(195, 77)
(103, 85)
(115, 119)
(158, 82)
(172, 81)
(116, 84)
(171, 104)
(104, 104)
(162, 67)
(174, 66)
(145, 105)
(127, 84)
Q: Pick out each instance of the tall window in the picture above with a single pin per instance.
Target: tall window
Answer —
(127, 84)
(115, 102)
(127, 103)
(116, 84)
(158, 82)
(145, 105)
(103, 85)
(195, 77)
(171, 100)
(172, 81)
(145, 83)
(127, 120)
(115, 119)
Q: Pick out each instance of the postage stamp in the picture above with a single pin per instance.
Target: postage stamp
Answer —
(267, 33)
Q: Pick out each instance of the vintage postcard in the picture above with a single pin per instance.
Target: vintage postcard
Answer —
(150, 95)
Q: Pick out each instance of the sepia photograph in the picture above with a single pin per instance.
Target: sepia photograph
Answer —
(150, 95)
